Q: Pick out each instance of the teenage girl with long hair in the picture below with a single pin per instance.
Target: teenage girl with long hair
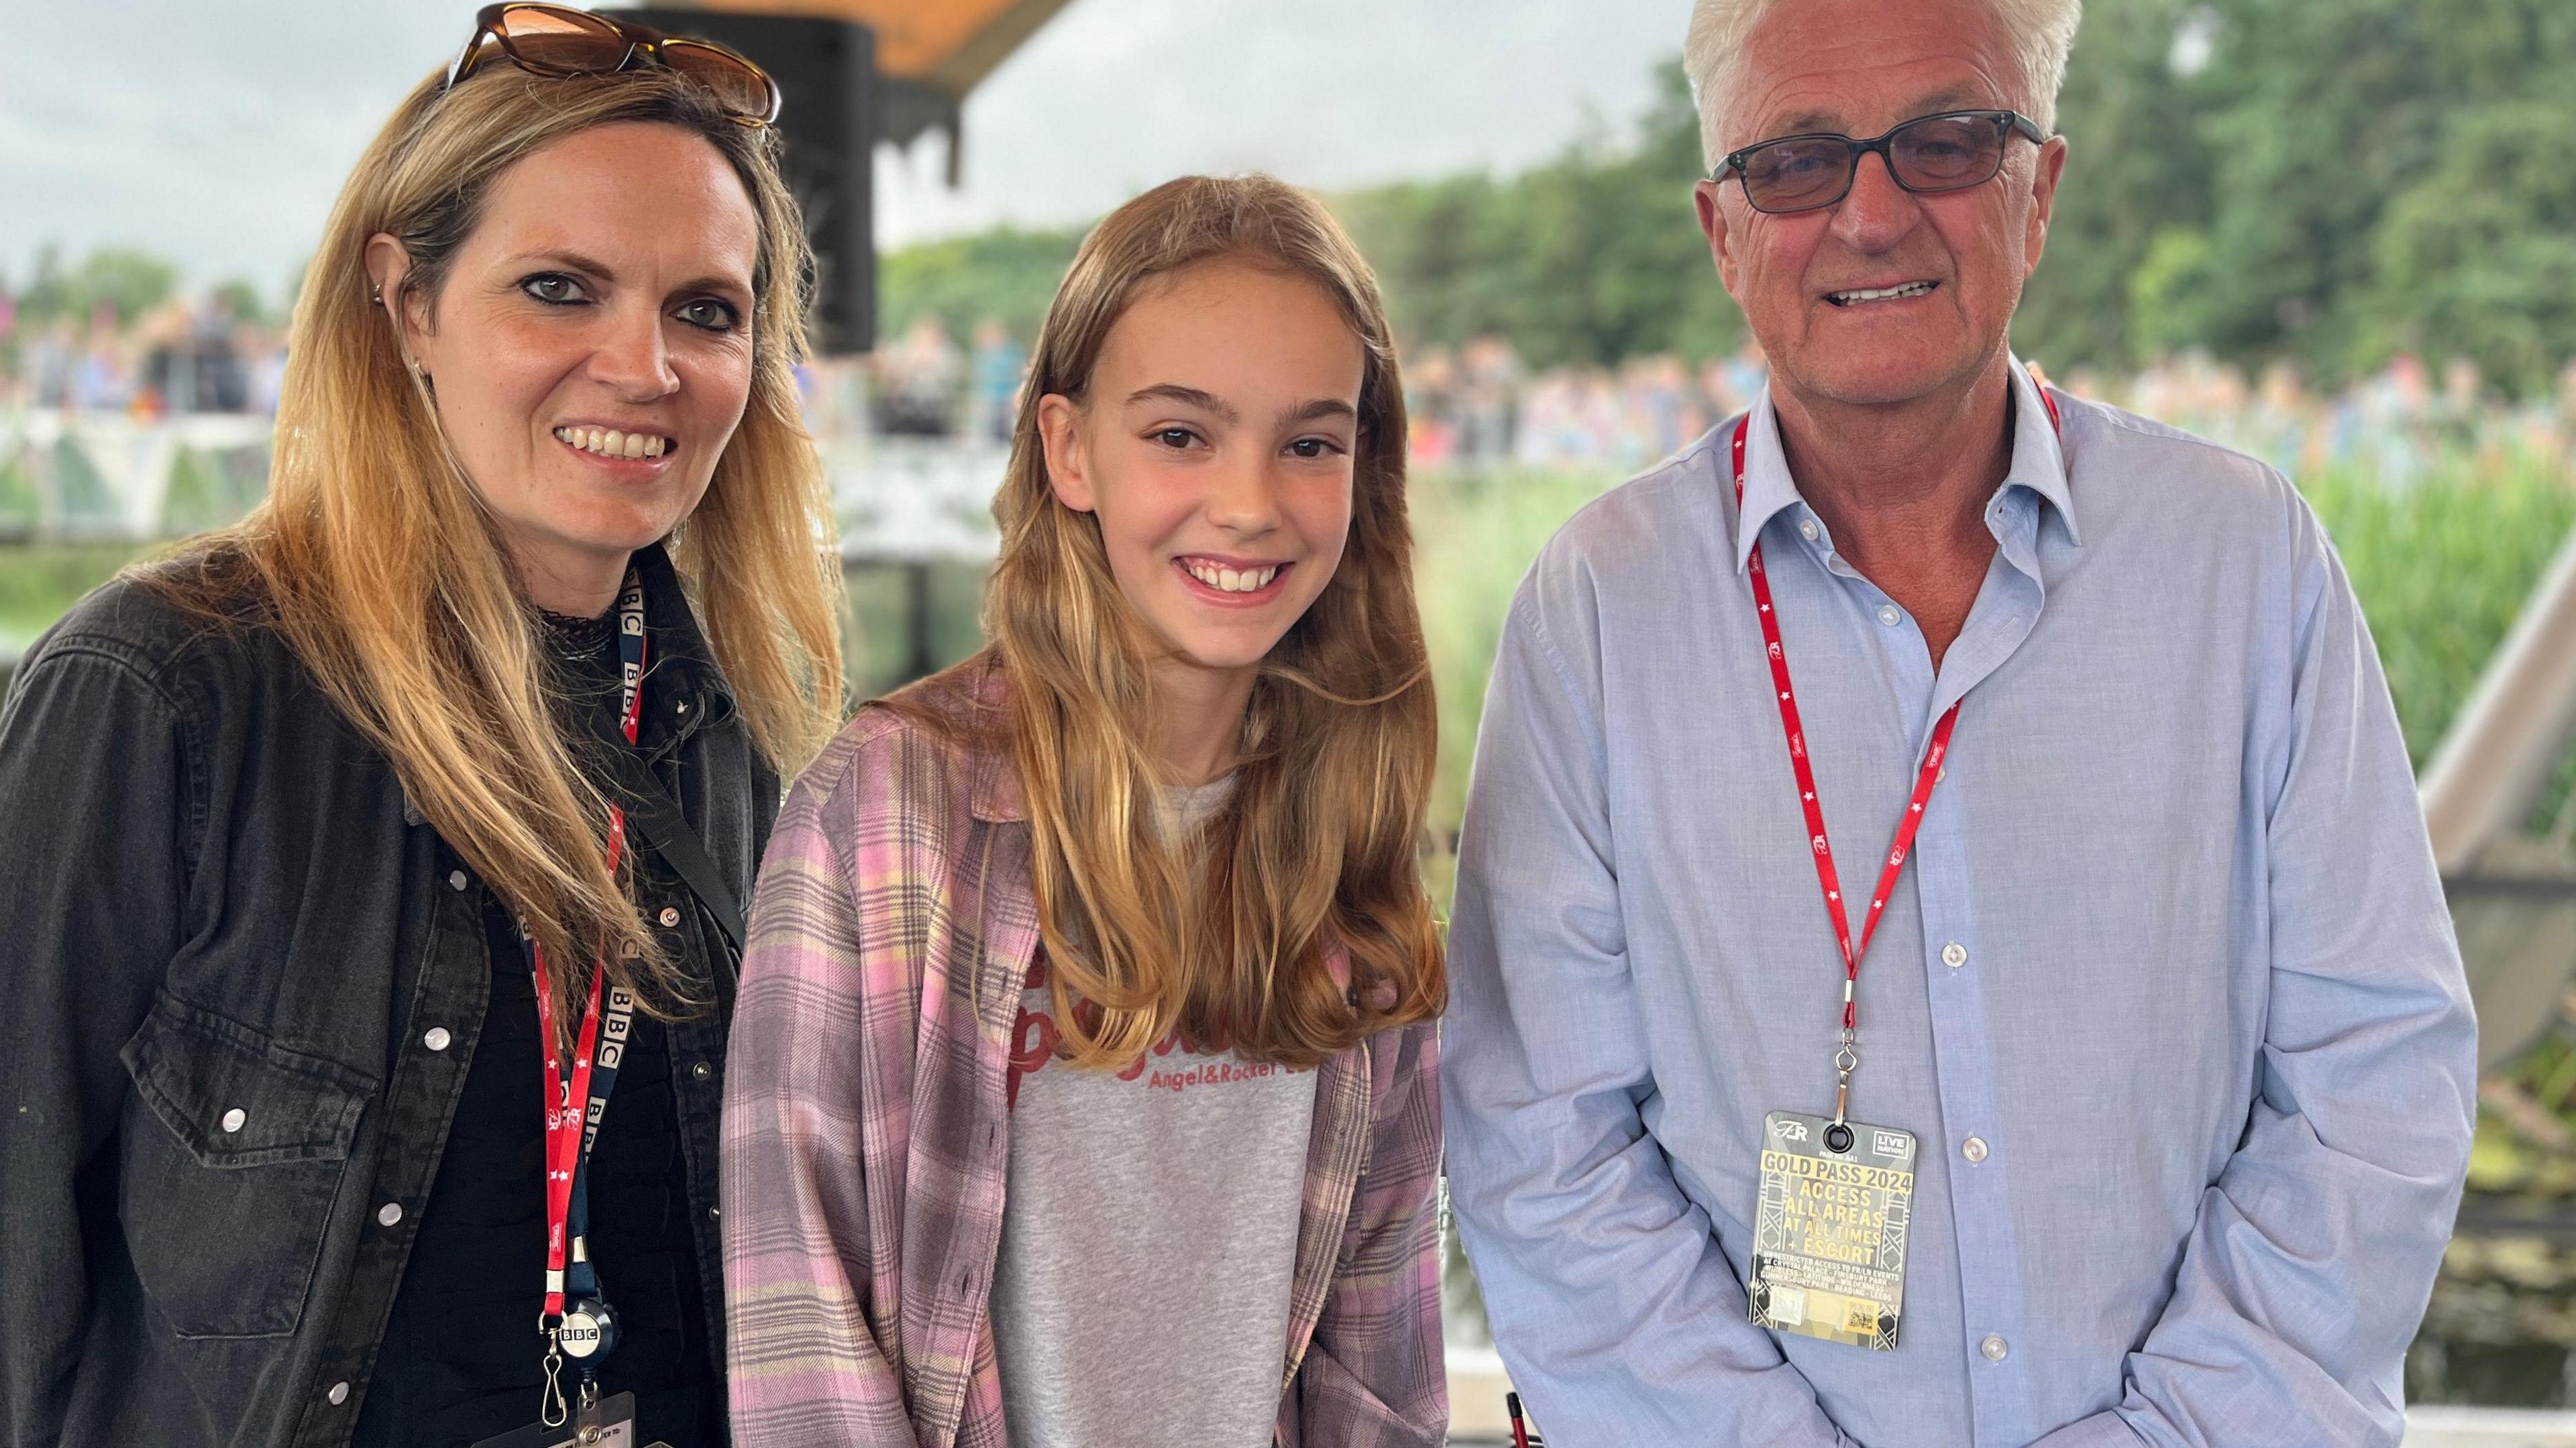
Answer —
(1083, 1085)
(358, 851)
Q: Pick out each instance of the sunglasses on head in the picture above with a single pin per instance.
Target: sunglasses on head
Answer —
(1948, 152)
(558, 40)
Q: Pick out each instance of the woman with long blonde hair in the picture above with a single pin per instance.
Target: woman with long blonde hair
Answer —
(1083, 1085)
(362, 850)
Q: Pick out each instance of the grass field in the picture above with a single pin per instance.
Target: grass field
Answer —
(39, 581)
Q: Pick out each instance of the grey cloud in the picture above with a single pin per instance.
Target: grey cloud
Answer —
(216, 131)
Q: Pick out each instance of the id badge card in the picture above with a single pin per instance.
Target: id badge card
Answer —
(1829, 1231)
(608, 1423)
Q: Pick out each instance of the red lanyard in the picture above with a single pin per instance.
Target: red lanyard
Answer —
(569, 1105)
(1898, 848)
(564, 1121)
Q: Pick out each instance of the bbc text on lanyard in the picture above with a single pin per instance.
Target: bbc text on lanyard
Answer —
(576, 1320)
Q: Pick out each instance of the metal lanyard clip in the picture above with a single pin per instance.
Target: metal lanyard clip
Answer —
(552, 1409)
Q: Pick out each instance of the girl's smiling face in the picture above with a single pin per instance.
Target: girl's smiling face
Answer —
(1214, 444)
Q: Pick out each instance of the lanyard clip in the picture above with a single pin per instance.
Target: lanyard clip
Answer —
(1838, 1136)
(552, 1410)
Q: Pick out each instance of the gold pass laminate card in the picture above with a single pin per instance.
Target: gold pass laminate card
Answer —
(1829, 1234)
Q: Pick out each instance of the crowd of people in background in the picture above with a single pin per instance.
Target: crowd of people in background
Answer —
(179, 357)
(2395, 423)
(1473, 406)
(1481, 406)
(1478, 407)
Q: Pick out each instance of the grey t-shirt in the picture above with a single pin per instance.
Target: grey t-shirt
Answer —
(1149, 1234)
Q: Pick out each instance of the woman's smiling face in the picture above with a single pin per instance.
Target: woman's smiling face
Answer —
(590, 347)
(1214, 443)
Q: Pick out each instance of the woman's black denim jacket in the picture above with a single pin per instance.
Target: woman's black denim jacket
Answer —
(240, 985)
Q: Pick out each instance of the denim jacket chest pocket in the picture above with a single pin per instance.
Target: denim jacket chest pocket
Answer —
(233, 1151)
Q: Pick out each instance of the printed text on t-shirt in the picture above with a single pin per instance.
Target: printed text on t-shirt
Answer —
(1035, 1041)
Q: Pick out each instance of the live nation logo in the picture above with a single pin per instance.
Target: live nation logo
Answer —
(1894, 1145)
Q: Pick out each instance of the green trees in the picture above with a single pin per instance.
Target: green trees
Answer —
(2329, 181)
(2479, 257)
(128, 283)
(1590, 258)
(1006, 273)
(2332, 181)
(2135, 197)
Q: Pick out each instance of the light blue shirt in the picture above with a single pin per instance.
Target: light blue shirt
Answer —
(2167, 992)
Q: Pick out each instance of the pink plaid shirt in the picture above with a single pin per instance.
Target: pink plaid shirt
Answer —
(867, 1133)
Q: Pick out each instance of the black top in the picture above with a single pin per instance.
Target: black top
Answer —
(462, 1358)
(247, 982)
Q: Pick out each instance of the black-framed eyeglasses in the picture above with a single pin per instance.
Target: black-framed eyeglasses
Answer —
(1951, 151)
(558, 40)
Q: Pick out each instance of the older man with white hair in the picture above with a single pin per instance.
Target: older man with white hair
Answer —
(1946, 950)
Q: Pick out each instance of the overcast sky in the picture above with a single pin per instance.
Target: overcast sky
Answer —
(215, 132)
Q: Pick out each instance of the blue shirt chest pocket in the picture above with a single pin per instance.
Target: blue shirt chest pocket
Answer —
(233, 1151)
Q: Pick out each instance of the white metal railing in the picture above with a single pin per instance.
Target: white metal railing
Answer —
(914, 500)
(109, 475)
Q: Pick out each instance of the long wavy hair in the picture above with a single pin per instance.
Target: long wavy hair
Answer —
(375, 560)
(1227, 937)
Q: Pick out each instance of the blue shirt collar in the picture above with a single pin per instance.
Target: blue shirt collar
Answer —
(2038, 464)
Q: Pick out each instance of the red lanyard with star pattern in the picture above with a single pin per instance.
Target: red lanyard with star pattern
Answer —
(1819, 845)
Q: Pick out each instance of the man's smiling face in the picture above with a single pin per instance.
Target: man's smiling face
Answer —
(1888, 295)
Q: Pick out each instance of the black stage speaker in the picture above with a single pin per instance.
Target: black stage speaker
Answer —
(827, 81)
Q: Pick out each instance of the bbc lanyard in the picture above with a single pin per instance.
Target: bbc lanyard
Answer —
(1847, 1058)
(1834, 1197)
(576, 1320)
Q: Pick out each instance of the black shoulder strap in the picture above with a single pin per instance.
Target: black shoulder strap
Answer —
(656, 815)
